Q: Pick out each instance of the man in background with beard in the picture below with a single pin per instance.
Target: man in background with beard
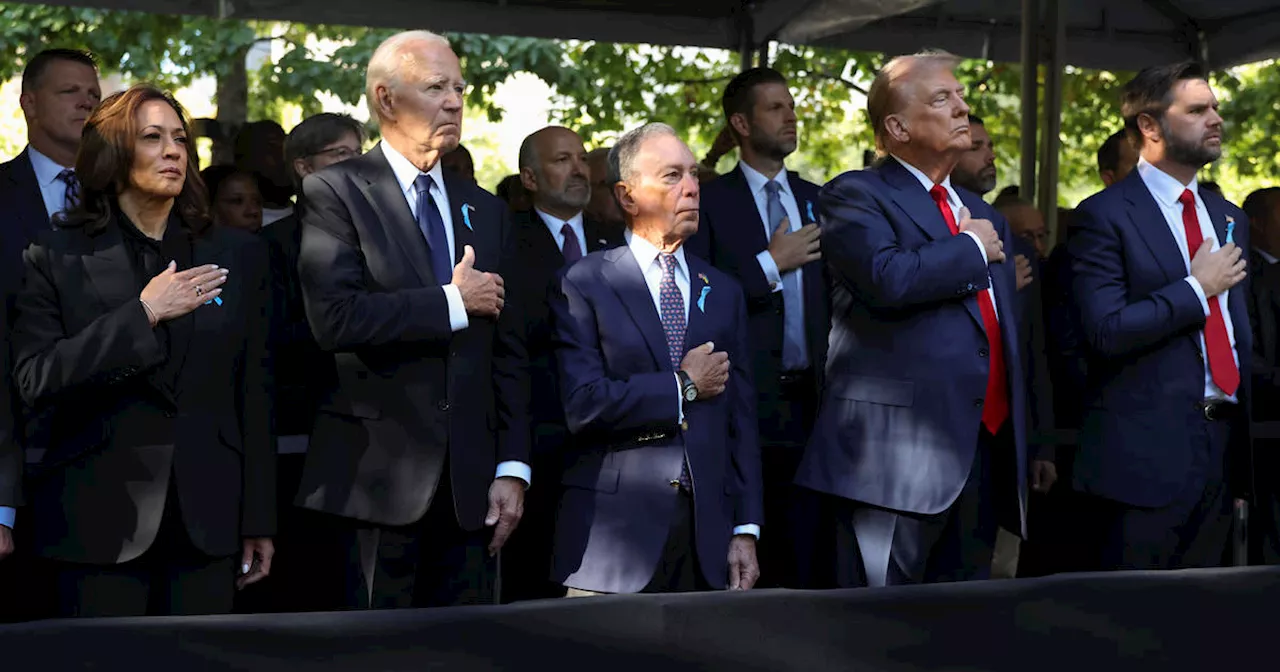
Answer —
(758, 223)
(1156, 278)
(553, 234)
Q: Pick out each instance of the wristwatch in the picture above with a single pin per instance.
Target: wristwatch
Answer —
(687, 389)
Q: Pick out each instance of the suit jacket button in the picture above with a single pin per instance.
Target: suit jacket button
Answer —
(982, 352)
(675, 483)
(977, 403)
(443, 405)
(685, 425)
(968, 287)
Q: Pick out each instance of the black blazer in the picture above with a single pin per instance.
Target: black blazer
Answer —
(295, 356)
(540, 264)
(406, 392)
(82, 347)
(23, 204)
(730, 235)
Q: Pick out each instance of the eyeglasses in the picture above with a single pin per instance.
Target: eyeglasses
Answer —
(340, 153)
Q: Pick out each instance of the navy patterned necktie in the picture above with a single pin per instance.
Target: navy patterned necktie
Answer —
(71, 196)
(673, 318)
(432, 226)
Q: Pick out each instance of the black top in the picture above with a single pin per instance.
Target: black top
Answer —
(149, 257)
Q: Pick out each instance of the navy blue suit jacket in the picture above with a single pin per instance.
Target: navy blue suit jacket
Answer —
(730, 235)
(1139, 321)
(907, 368)
(621, 403)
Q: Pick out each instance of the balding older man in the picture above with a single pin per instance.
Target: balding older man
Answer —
(921, 433)
(422, 440)
(662, 489)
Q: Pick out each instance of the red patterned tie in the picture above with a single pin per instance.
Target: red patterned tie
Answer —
(1217, 345)
(996, 407)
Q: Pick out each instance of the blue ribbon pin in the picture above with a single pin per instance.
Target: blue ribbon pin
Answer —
(1231, 230)
(809, 205)
(702, 298)
(216, 300)
(466, 215)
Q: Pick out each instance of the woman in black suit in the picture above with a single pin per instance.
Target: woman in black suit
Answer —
(140, 346)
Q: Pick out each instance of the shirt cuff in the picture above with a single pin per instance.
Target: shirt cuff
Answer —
(750, 528)
(981, 248)
(515, 469)
(680, 397)
(7, 516)
(770, 268)
(457, 309)
(1195, 287)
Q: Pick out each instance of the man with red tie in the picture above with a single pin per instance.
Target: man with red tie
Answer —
(921, 434)
(1156, 262)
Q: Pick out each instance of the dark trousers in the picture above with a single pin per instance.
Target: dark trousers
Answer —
(797, 550)
(526, 557)
(172, 578)
(876, 546)
(678, 570)
(1264, 518)
(1191, 531)
(430, 563)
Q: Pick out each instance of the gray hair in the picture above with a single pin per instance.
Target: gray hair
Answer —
(384, 65)
(623, 154)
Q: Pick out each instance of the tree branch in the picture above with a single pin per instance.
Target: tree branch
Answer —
(842, 80)
(710, 80)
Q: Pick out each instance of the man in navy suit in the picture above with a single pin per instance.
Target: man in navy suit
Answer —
(421, 440)
(921, 434)
(1166, 330)
(59, 90)
(757, 224)
(662, 489)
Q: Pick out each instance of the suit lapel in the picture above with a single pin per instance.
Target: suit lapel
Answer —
(752, 229)
(700, 324)
(29, 202)
(209, 249)
(1146, 215)
(994, 277)
(622, 273)
(914, 199)
(598, 236)
(541, 244)
(464, 219)
(378, 184)
(110, 273)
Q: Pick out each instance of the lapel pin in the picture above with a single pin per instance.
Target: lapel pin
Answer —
(1231, 229)
(706, 289)
(466, 215)
(809, 206)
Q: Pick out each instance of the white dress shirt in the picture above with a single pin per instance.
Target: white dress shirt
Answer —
(646, 255)
(555, 224)
(756, 182)
(1166, 190)
(954, 202)
(406, 174)
(53, 190)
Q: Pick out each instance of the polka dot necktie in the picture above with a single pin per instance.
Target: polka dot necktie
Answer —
(673, 323)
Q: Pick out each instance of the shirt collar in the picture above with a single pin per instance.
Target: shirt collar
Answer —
(47, 170)
(646, 253)
(1164, 187)
(406, 173)
(756, 180)
(555, 223)
(928, 183)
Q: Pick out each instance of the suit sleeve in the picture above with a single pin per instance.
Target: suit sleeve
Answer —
(747, 477)
(11, 457)
(593, 401)
(343, 312)
(511, 360)
(862, 250)
(49, 362)
(1112, 322)
(258, 509)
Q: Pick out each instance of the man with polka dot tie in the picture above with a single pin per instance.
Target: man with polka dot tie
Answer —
(663, 484)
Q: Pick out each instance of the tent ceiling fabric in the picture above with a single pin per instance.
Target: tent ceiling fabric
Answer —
(1106, 34)
(1112, 34)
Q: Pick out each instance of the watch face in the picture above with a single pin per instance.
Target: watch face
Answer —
(691, 394)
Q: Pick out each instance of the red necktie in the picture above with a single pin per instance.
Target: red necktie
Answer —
(1217, 345)
(996, 407)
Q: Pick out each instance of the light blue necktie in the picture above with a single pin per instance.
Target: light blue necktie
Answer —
(795, 352)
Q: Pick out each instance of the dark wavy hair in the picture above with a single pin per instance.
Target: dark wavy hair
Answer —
(106, 158)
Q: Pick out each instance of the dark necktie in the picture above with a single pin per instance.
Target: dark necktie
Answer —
(432, 226)
(795, 352)
(572, 249)
(995, 408)
(71, 197)
(1217, 344)
(673, 324)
